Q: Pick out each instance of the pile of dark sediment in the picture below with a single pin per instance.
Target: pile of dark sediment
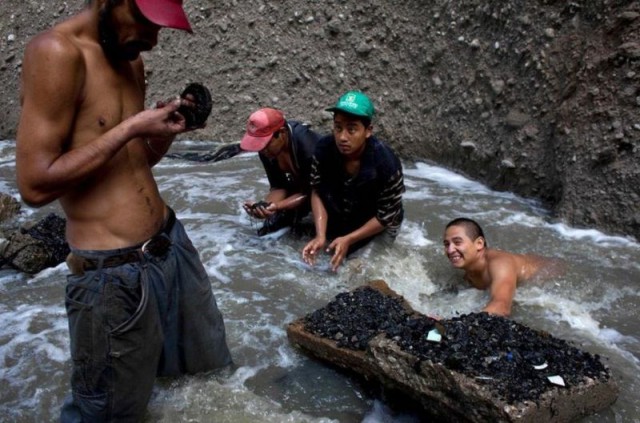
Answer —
(514, 359)
(353, 318)
(493, 350)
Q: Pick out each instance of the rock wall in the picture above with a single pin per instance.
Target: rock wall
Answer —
(540, 98)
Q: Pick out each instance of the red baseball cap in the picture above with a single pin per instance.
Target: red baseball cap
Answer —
(260, 128)
(167, 13)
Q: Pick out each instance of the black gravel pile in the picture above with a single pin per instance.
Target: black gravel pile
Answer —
(500, 352)
(494, 350)
(353, 318)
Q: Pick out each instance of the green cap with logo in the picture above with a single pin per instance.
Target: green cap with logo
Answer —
(354, 103)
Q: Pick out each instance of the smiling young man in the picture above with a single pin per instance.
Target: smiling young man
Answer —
(357, 184)
(285, 148)
(498, 271)
(138, 299)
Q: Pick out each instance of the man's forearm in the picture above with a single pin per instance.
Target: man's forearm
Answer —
(291, 202)
(43, 178)
(370, 228)
(319, 215)
(276, 195)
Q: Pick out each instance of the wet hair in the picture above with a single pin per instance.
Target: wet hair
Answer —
(471, 228)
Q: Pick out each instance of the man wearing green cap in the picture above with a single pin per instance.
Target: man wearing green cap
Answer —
(138, 299)
(356, 182)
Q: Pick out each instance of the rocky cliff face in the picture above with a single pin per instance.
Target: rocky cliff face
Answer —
(540, 98)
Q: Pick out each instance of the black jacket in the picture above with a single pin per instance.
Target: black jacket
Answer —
(303, 142)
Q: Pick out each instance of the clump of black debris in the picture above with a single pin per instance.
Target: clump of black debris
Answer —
(353, 318)
(517, 362)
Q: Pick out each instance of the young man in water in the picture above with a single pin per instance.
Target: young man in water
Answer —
(138, 299)
(498, 271)
(356, 183)
(285, 148)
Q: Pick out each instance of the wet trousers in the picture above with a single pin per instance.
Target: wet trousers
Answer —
(129, 323)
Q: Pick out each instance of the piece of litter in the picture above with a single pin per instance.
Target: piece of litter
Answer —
(556, 380)
(434, 336)
(541, 366)
(484, 378)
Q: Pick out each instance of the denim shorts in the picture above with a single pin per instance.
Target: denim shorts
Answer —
(131, 323)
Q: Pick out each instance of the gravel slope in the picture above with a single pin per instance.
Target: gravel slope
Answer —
(540, 98)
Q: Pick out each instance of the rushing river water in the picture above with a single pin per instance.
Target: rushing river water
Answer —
(261, 284)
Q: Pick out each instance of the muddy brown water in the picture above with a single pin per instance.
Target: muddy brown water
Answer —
(261, 284)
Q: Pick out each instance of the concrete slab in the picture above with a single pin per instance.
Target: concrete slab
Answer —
(449, 394)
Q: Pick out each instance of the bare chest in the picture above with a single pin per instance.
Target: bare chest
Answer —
(109, 96)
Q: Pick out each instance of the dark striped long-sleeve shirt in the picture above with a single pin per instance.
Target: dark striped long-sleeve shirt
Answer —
(353, 200)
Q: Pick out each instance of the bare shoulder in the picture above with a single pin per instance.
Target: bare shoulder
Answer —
(535, 261)
(517, 259)
(534, 266)
(502, 265)
(52, 58)
(53, 69)
(542, 267)
(502, 258)
(53, 44)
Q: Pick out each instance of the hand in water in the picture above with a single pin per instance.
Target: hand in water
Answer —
(340, 247)
(260, 209)
(310, 251)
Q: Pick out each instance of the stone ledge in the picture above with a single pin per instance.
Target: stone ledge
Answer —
(448, 394)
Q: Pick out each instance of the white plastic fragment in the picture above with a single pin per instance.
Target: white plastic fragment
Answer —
(541, 366)
(434, 335)
(556, 380)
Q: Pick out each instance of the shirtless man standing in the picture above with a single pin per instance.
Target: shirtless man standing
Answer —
(498, 271)
(138, 299)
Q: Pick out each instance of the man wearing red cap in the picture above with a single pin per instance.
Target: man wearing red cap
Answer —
(285, 149)
(138, 299)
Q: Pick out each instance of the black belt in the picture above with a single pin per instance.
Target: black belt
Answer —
(157, 246)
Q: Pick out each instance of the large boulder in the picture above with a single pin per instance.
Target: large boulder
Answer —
(472, 368)
(33, 248)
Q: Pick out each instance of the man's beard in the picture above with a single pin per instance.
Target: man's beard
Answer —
(112, 48)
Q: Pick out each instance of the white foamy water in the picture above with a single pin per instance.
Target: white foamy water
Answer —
(261, 284)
